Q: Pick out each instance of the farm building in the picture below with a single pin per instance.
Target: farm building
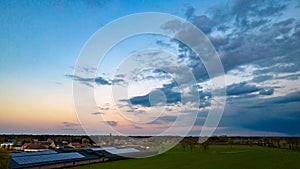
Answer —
(66, 157)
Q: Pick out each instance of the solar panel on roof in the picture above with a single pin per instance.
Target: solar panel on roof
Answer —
(46, 158)
(103, 148)
(33, 153)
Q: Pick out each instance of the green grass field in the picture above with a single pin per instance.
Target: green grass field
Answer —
(218, 157)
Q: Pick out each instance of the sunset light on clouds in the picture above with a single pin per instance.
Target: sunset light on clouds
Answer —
(257, 42)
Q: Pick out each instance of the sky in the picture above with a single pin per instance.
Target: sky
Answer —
(257, 42)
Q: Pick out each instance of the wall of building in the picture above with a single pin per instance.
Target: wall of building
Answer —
(69, 164)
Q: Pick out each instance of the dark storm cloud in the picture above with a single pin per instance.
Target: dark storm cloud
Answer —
(171, 96)
(246, 44)
(290, 126)
(278, 114)
(241, 88)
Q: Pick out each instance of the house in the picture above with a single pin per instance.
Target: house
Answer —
(17, 147)
(24, 146)
(8, 145)
(75, 144)
(34, 147)
(57, 144)
(44, 143)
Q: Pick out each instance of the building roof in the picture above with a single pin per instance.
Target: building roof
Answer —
(49, 157)
(24, 160)
(126, 152)
(76, 144)
(52, 157)
(116, 151)
(34, 146)
(27, 154)
(25, 144)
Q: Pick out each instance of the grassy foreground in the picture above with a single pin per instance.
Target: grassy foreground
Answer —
(218, 157)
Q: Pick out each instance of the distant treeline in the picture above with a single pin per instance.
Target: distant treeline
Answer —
(292, 143)
(31, 138)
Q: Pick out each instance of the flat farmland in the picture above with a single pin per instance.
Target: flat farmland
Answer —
(217, 157)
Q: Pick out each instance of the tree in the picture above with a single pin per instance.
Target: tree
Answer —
(184, 144)
(2, 139)
(85, 141)
(223, 138)
(16, 140)
(191, 142)
(205, 145)
(27, 140)
(277, 140)
(4, 158)
(230, 142)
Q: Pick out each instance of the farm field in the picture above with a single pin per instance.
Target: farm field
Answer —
(217, 157)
